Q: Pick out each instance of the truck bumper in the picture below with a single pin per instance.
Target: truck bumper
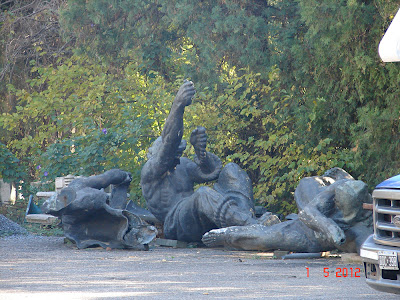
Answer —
(381, 280)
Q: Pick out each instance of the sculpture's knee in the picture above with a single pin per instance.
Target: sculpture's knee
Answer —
(234, 179)
(232, 173)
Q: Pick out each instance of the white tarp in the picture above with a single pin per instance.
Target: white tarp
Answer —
(389, 47)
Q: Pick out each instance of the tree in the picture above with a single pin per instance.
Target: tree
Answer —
(29, 32)
(286, 88)
(117, 30)
(79, 118)
(249, 123)
(348, 95)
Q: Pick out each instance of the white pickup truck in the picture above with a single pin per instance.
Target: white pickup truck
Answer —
(380, 252)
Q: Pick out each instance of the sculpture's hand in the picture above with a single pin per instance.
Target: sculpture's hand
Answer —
(198, 139)
(127, 179)
(185, 93)
(337, 235)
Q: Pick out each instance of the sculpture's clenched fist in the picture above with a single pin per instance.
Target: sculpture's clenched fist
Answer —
(198, 139)
(185, 93)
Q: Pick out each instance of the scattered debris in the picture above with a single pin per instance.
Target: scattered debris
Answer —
(278, 254)
(302, 255)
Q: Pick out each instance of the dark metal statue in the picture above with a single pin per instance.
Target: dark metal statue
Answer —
(167, 181)
(91, 217)
(331, 216)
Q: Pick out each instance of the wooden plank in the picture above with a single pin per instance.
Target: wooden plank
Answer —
(45, 194)
(368, 206)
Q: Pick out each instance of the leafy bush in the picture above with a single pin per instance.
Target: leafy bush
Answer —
(10, 168)
(253, 124)
(83, 118)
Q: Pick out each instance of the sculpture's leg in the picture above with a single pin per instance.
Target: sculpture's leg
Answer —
(230, 203)
(201, 212)
(232, 212)
(290, 236)
(234, 182)
(237, 208)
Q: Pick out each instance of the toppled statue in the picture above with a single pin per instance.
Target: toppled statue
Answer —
(167, 181)
(91, 217)
(331, 216)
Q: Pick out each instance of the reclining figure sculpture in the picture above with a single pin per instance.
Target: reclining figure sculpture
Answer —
(167, 181)
(331, 216)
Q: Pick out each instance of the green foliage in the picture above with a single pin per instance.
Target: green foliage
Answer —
(116, 30)
(29, 31)
(80, 118)
(61, 99)
(353, 97)
(336, 57)
(10, 168)
(252, 124)
(294, 88)
(185, 37)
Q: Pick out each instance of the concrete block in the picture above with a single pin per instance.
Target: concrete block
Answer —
(42, 219)
(171, 243)
(8, 193)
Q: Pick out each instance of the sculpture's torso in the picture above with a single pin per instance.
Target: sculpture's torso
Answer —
(163, 192)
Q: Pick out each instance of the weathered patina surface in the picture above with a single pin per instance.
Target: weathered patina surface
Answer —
(167, 181)
(331, 216)
(91, 217)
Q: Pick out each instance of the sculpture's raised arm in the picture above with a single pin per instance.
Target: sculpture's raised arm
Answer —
(173, 128)
(167, 150)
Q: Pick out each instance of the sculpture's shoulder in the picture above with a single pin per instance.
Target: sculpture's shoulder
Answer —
(307, 189)
(150, 171)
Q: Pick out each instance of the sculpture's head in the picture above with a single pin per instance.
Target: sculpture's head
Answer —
(157, 146)
(349, 198)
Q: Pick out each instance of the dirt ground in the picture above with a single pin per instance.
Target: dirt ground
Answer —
(34, 267)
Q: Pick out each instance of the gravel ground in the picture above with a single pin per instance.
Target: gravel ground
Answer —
(37, 267)
(8, 227)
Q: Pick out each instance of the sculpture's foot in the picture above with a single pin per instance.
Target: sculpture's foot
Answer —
(214, 238)
(268, 219)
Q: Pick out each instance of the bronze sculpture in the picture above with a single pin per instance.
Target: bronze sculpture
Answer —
(167, 181)
(91, 217)
(331, 216)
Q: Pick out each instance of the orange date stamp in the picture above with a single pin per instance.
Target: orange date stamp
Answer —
(343, 272)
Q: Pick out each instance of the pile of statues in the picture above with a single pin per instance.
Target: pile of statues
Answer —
(331, 214)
